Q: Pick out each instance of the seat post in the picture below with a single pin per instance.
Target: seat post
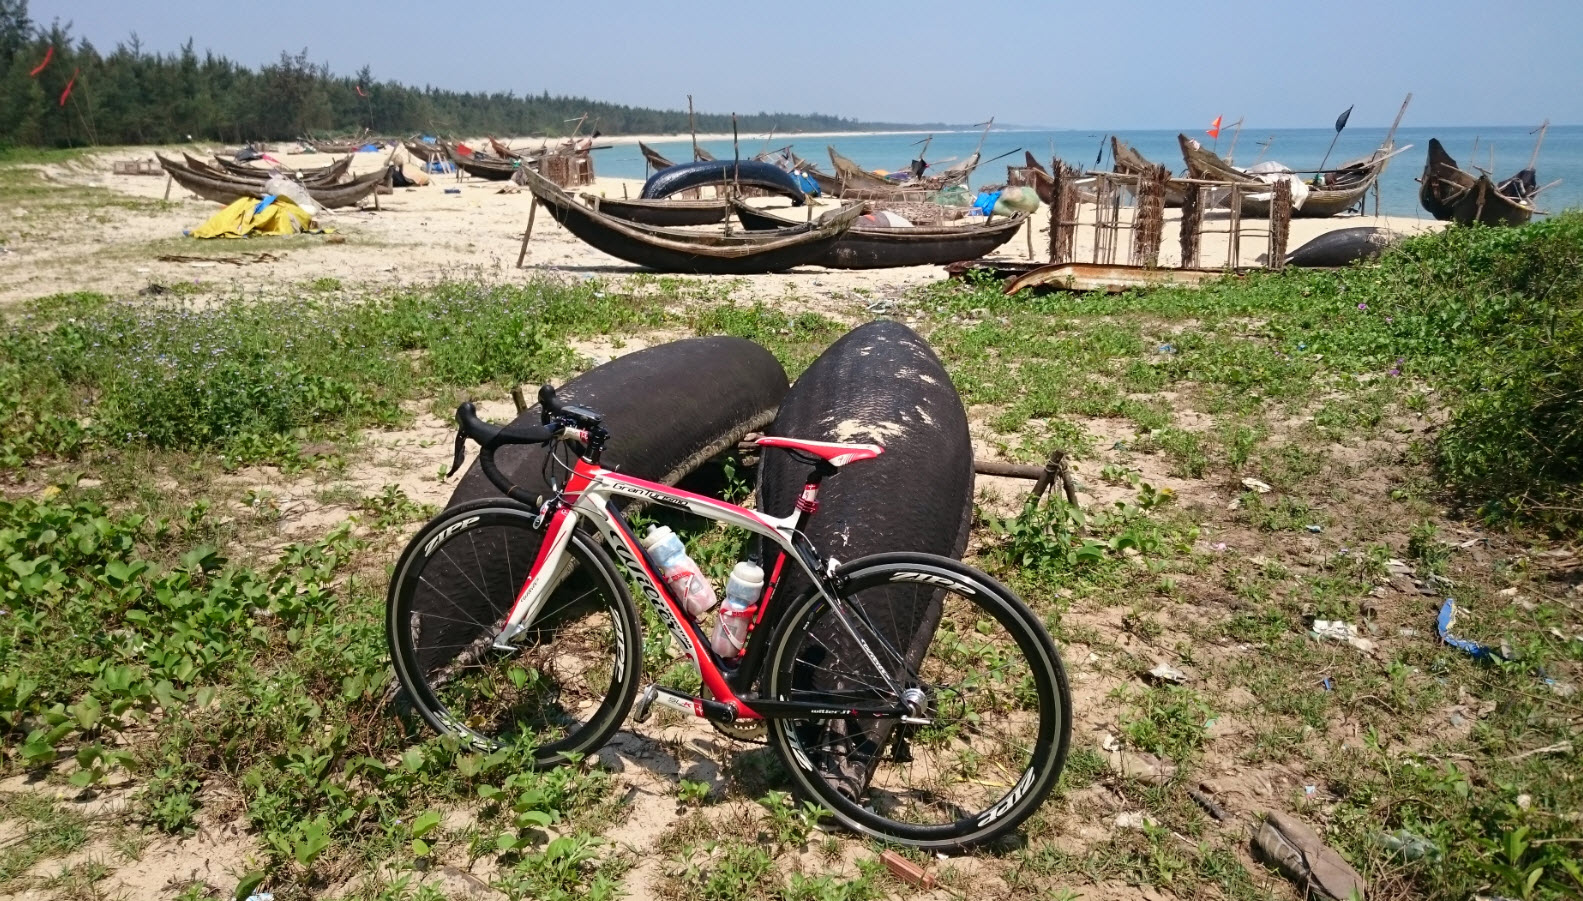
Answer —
(808, 501)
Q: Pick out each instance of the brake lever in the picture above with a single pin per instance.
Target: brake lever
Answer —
(461, 453)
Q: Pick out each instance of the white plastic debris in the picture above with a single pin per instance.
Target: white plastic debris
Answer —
(1133, 819)
(1336, 630)
(1256, 485)
(1164, 672)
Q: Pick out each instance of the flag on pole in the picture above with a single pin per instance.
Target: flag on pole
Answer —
(360, 91)
(1214, 128)
(49, 54)
(67, 93)
(1341, 120)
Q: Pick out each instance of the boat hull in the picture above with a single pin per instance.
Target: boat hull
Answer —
(675, 251)
(889, 248)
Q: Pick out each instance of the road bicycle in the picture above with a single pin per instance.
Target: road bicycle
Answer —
(915, 697)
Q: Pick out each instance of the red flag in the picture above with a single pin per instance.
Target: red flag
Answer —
(67, 93)
(49, 54)
(360, 91)
(1214, 128)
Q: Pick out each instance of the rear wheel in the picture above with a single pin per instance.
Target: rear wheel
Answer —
(974, 666)
(571, 675)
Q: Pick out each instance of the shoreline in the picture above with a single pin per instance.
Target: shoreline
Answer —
(744, 136)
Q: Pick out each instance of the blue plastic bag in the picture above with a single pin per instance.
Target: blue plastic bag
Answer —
(805, 184)
(985, 203)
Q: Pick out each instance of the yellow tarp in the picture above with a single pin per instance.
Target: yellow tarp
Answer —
(281, 217)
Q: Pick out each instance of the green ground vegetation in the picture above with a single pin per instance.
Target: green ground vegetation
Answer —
(149, 653)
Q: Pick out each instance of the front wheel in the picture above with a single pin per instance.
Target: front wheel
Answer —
(570, 676)
(989, 708)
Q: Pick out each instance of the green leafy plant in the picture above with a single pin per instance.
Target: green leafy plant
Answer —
(422, 827)
(789, 823)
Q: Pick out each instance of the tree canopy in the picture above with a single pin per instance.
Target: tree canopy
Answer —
(133, 96)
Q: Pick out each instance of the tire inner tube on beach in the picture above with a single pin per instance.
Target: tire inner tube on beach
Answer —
(880, 383)
(670, 410)
(750, 173)
(1343, 247)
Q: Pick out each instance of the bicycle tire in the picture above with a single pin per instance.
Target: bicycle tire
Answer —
(449, 595)
(974, 620)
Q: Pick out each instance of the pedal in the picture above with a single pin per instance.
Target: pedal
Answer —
(642, 709)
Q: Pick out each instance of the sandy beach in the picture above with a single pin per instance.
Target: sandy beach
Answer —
(422, 234)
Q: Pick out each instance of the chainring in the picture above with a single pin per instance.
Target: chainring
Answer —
(741, 730)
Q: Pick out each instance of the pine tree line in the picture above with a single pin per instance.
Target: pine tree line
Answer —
(132, 96)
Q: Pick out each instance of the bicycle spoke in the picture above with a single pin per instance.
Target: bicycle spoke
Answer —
(562, 671)
(984, 720)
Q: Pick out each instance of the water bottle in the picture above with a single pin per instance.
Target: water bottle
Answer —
(686, 580)
(736, 613)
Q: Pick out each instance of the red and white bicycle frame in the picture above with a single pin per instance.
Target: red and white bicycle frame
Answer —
(588, 494)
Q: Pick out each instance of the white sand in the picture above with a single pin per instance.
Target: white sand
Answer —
(423, 234)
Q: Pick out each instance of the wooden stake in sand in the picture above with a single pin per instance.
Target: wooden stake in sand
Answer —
(1280, 225)
(527, 232)
(1192, 223)
(167, 187)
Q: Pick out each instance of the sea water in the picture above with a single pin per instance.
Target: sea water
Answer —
(1561, 156)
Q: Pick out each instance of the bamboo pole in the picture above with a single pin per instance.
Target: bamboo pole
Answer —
(527, 232)
(1264, 147)
(1326, 158)
(692, 124)
(735, 191)
(1537, 144)
(1390, 137)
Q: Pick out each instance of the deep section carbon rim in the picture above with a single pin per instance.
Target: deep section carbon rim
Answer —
(570, 677)
(980, 675)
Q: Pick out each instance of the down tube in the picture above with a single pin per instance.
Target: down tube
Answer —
(682, 626)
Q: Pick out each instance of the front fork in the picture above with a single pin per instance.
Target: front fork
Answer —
(541, 578)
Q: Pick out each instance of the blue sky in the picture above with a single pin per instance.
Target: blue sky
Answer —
(1120, 65)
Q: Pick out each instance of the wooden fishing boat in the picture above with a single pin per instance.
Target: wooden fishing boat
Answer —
(1443, 183)
(875, 247)
(853, 176)
(323, 175)
(701, 155)
(333, 146)
(958, 173)
(674, 250)
(506, 153)
(222, 190)
(668, 213)
(1450, 194)
(1130, 162)
(1033, 174)
(857, 183)
(490, 169)
(654, 158)
(828, 186)
(1335, 192)
(423, 151)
